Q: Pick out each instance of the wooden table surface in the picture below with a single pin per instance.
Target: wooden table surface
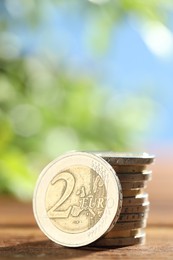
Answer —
(21, 238)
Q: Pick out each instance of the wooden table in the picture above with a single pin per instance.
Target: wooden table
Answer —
(20, 237)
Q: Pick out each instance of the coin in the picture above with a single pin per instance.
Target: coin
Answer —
(137, 200)
(132, 193)
(77, 199)
(126, 158)
(124, 233)
(132, 217)
(133, 185)
(145, 176)
(136, 209)
(116, 242)
(130, 225)
(129, 168)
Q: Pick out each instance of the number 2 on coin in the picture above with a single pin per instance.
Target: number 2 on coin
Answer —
(69, 184)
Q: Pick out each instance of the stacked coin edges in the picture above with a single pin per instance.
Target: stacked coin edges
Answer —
(132, 172)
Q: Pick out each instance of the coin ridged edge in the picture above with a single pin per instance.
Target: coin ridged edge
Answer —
(130, 225)
(113, 242)
(116, 159)
(136, 209)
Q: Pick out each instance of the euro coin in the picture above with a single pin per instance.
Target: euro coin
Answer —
(124, 233)
(126, 158)
(133, 185)
(117, 242)
(132, 193)
(77, 198)
(145, 176)
(136, 209)
(130, 225)
(129, 168)
(132, 217)
(137, 200)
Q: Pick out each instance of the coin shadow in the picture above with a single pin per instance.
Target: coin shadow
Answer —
(46, 249)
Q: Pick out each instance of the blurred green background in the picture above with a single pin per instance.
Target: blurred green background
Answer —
(48, 105)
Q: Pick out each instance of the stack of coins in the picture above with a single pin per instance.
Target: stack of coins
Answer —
(93, 198)
(132, 172)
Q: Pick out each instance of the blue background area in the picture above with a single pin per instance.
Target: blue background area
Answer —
(136, 66)
(127, 66)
